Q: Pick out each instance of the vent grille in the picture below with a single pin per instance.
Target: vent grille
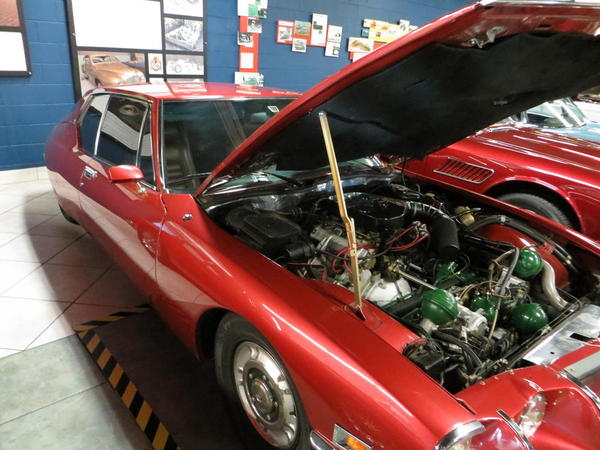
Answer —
(464, 171)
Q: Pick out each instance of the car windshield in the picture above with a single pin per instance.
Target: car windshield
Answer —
(104, 59)
(561, 113)
(197, 135)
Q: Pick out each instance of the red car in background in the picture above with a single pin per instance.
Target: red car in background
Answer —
(554, 175)
(406, 324)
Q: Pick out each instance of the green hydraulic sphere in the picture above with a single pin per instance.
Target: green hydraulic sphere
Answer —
(529, 264)
(439, 306)
(486, 304)
(528, 318)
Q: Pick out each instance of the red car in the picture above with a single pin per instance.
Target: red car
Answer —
(554, 175)
(344, 307)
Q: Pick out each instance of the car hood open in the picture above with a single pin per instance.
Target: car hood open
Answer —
(435, 86)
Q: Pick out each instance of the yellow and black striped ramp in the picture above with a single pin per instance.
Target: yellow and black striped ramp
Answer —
(149, 422)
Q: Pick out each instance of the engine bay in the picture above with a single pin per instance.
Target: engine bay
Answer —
(479, 304)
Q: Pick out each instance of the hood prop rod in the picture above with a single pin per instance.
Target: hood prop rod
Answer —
(346, 219)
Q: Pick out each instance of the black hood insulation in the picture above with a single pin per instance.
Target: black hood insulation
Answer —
(436, 97)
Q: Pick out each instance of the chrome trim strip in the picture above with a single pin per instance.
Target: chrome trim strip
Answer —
(586, 390)
(317, 443)
(487, 169)
(586, 367)
(516, 428)
(461, 432)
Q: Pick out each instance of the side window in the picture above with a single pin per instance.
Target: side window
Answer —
(121, 127)
(88, 127)
(145, 154)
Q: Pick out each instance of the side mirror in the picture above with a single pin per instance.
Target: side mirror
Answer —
(120, 174)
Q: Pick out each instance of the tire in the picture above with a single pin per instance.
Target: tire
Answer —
(253, 397)
(538, 205)
(67, 217)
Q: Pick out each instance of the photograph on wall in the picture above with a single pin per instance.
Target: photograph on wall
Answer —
(334, 33)
(285, 31)
(249, 78)
(318, 33)
(332, 49)
(254, 25)
(301, 29)
(105, 69)
(253, 8)
(185, 64)
(155, 64)
(192, 8)
(361, 45)
(299, 45)
(14, 55)
(116, 42)
(245, 39)
(9, 14)
(183, 34)
(248, 61)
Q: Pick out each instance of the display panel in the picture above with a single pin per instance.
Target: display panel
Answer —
(116, 42)
(14, 56)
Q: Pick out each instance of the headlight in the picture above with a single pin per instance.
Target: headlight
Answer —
(460, 437)
(532, 416)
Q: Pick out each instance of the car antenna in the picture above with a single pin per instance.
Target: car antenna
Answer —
(346, 219)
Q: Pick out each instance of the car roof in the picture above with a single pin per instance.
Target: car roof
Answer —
(198, 89)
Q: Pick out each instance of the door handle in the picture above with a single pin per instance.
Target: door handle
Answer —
(89, 173)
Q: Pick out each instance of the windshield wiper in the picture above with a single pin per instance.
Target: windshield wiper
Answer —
(282, 177)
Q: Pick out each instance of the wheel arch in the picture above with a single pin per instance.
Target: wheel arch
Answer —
(541, 190)
(206, 330)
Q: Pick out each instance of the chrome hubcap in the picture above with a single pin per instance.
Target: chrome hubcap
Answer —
(265, 394)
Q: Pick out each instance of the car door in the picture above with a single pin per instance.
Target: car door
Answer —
(75, 154)
(124, 216)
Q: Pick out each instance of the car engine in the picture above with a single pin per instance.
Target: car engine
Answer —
(480, 306)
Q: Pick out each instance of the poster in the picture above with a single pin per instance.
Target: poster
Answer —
(301, 30)
(254, 25)
(334, 33)
(253, 8)
(360, 45)
(105, 69)
(183, 34)
(332, 49)
(14, 55)
(285, 31)
(299, 45)
(192, 8)
(249, 79)
(318, 32)
(245, 39)
(334, 41)
(147, 41)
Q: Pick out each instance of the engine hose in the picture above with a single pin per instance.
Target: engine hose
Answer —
(444, 231)
(475, 362)
(559, 251)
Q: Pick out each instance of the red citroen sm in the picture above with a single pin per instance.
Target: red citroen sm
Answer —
(346, 307)
(554, 175)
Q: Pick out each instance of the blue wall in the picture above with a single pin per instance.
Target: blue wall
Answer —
(29, 107)
(299, 71)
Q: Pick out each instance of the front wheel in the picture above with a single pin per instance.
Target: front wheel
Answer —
(262, 398)
(538, 205)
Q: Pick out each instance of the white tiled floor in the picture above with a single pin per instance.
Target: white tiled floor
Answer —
(52, 275)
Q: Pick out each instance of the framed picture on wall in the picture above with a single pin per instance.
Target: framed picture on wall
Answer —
(116, 42)
(285, 31)
(14, 54)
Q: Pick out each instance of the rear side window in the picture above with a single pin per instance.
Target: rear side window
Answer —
(145, 155)
(120, 135)
(88, 127)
